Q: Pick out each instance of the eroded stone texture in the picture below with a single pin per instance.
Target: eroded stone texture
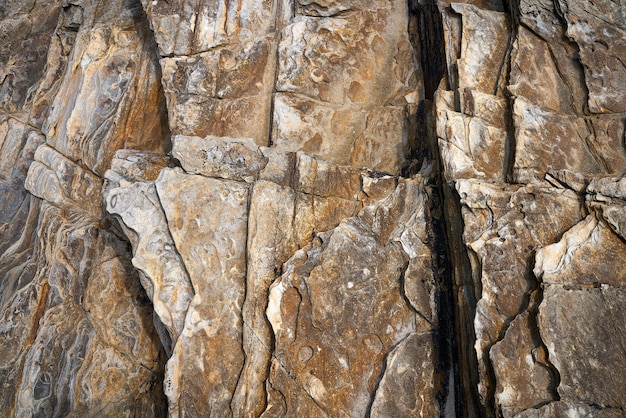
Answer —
(222, 92)
(110, 98)
(77, 335)
(347, 84)
(585, 290)
(523, 376)
(599, 30)
(85, 266)
(208, 222)
(228, 158)
(501, 236)
(298, 128)
(323, 326)
(161, 270)
(607, 196)
(586, 348)
(564, 409)
(472, 143)
(546, 141)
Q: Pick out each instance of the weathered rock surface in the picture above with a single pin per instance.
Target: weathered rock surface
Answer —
(343, 208)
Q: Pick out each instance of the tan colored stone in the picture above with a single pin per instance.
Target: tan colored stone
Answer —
(26, 30)
(523, 380)
(229, 158)
(110, 99)
(469, 147)
(569, 261)
(208, 221)
(161, 270)
(501, 235)
(138, 165)
(222, 92)
(599, 30)
(406, 390)
(281, 221)
(324, 130)
(190, 27)
(583, 329)
(361, 58)
(55, 178)
(384, 143)
(609, 141)
(376, 139)
(566, 409)
(322, 333)
(481, 56)
(546, 141)
(535, 75)
(88, 330)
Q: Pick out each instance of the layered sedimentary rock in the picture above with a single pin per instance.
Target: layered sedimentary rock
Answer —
(317, 208)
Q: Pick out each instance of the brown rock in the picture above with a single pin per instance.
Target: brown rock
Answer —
(406, 390)
(322, 333)
(600, 32)
(161, 271)
(546, 141)
(111, 96)
(208, 222)
(584, 332)
(222, 92)
(523, 380)
(229, 158)
(501, 236)
(470, 147)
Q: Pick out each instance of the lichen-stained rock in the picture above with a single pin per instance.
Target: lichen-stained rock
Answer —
(161, 270)
(339, 301)
(546, 141)
(501, 234)
(480, 59)
(406, 390)
(229, 158)
(222, 92)
(189, 27)
(360, 58)
(110, 97)
(565, 409)
(599, 30)
(73, 327)
(57, 179)
(583, 328)
(26, 29)
(607, 197)
(471, 147)
(208, 221)
(523, 377)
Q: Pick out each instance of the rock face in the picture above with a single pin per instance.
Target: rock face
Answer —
(380, 208)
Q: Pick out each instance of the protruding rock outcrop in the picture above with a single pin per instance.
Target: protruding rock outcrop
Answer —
(312, 207)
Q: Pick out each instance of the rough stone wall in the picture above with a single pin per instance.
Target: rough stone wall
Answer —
(334, 208)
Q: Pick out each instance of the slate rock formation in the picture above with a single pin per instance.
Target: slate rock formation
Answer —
(333, 208)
